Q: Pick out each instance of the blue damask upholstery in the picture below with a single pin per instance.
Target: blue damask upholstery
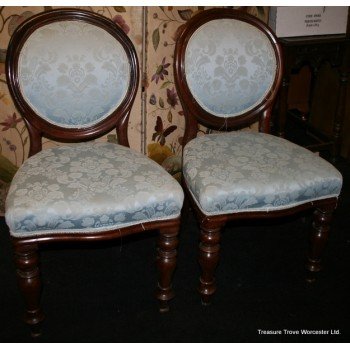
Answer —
(73, 74)
(230, 66)
(89, 187)
(249, 171)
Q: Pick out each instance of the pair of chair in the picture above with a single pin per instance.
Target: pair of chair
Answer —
(74, 74)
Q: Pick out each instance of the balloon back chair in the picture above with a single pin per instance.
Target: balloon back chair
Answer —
(228, 68)
(74, 75)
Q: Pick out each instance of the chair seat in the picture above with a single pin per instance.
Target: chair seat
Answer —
(89, 187)
(250, 171)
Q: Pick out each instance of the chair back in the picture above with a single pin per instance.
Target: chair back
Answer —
(227, 68)
(73, 75)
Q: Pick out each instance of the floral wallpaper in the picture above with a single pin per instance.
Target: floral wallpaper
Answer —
(156, 123)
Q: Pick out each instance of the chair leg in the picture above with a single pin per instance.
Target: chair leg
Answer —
(166, 262)
(318, 238)
(209, 248)
(28, 276)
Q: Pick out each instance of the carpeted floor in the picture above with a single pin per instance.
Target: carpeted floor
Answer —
(104, 292)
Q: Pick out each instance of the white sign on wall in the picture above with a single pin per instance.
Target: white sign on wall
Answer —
(287, 21)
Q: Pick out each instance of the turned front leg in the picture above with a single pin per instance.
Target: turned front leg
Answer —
(166, 263)
(28, 276)
(209, 248)
(317, 241)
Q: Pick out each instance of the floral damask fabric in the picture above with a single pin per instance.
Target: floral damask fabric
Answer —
(89, 187)
(230, 66)
(73, 74)
(249, 171)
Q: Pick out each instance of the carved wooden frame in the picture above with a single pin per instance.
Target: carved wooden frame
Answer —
(193, 111)
(211, 226)
(26, 250)
(39, 127)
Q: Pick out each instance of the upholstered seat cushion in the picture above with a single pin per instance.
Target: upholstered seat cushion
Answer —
(89, 187)
(249, 171)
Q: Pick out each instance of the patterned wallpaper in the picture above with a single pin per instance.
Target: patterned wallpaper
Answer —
(156, 123)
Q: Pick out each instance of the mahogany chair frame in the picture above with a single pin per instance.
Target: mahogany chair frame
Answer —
(212, 226)
(26, 250)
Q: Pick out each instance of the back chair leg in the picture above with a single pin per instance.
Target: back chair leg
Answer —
(166, 263)
(209, 248)
(28, 275)
(318, 238)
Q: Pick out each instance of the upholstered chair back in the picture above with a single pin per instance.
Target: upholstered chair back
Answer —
(227, 67)
(73, 73)
(230, 66)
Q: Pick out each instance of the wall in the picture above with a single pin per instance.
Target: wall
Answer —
(156, 124)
